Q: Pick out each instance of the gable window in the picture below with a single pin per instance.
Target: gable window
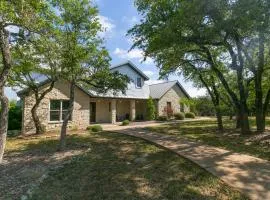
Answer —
(139, 82)
(58, 110)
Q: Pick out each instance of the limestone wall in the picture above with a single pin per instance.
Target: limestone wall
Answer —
(80, 116)
(173, 96)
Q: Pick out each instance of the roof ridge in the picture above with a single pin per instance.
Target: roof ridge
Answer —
(133, 66)
(163, 82)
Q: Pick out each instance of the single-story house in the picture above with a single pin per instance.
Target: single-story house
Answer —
(91, 107)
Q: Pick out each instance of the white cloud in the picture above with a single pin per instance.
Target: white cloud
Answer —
(131, 21)
(194, 92)
(149, 73)
(108, 26)
(133, 54)
(151, 82)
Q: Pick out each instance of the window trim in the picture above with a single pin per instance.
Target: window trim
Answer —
(61, 112)
(138, 82)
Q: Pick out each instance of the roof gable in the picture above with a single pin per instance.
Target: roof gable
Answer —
(159, 90)
(132, 66)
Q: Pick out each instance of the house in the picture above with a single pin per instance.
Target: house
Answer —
(91, 107)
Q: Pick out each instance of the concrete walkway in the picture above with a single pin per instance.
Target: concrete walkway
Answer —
(248, 174)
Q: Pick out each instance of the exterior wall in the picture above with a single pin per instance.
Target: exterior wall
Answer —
(80, 117)
(122, 109)
(173, 96)
(103, 113)
(132, 90)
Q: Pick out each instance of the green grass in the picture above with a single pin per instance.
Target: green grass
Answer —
(122, 167)
(206, 132)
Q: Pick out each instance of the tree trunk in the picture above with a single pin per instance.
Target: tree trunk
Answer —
(35, 118)
(39, 98)
(243, 112)
(6, 62)
(3, 122)
(219, 119)
(260, 117)
(62, 143)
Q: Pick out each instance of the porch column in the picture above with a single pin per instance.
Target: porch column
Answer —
(132, 110)
(113, 111)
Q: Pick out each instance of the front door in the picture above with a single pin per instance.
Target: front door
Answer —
(93, 109)
(169, 109)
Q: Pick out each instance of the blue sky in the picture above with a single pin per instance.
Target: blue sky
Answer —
(118, 16)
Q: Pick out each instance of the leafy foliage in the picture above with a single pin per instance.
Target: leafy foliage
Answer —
(179, 116)
(190, 115)
(94, 128)
(14, 116)
(162, 118)
(151, 109)
(125, 122)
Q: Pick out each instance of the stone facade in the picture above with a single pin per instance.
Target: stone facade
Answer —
(173, 96)
(80, 117)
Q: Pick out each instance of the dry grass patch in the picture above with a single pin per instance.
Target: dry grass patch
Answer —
(122, 167)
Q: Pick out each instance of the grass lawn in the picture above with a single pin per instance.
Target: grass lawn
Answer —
(116, 166)
(206, 131)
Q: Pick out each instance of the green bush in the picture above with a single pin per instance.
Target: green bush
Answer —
(94, 128)
(125, 122)
(151, 109)
(190, 115)
(162, 118)
(14, 116)
(179, 116)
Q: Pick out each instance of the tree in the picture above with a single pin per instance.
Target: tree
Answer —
(29, 16)
(36, 62)
(14, 116)
(204, 106)
(151, 109)
(83, 60)
(217, 31)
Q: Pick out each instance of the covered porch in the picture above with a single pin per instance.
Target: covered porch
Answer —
(116, 110)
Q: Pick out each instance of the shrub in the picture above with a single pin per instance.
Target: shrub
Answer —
(15, 116)
(94, 128)
(179, 116)
(162, 118)
(151, 109)
(190, 115)
(125, 122)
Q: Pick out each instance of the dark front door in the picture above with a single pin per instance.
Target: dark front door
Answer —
(93, 109)
(169, 109)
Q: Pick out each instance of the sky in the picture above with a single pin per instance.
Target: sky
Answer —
(117, 17)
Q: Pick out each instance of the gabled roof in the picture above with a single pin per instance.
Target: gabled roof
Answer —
(133, 66)
(160, 89)
(47, 81)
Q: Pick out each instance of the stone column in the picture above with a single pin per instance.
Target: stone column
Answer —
(113, 111)
(132, 110)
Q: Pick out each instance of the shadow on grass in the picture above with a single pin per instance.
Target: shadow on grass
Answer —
(207, 132)
(122, 167)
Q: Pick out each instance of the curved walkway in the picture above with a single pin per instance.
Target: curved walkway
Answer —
(248, 174)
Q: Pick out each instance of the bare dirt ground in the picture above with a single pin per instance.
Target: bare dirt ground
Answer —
(27, 162)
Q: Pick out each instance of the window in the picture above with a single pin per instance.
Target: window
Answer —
(139, 82)
(58, 110)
